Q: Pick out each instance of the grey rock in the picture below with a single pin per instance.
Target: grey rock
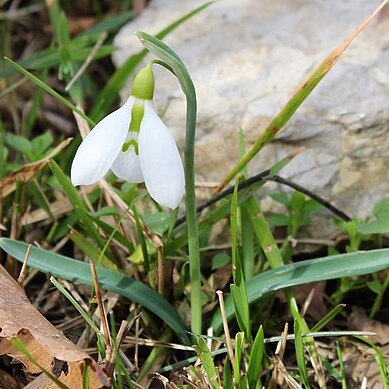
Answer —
(248, 57)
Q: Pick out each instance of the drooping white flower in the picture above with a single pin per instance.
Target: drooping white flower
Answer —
(136, 145)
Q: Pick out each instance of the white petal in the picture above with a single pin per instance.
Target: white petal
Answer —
(127, 167)
(101, 146)
(160, 160)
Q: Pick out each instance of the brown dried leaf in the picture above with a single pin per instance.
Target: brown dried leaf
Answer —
(358, 321)
(359, 359)
(19, 319)
(317, 308)
(7, 381)
(25, 173)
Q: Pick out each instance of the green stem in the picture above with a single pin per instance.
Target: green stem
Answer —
(191, 216)
(175, 64)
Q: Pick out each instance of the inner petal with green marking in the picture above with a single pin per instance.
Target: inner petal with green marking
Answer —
(137, 113)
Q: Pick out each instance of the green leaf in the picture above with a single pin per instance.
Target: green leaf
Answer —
(105, 211)
(49, 90)
(76, 202)
(41, 143)
(381, 208)
(157, 222)
(239, 344)
(327, 268)
(239, 297)
(79, 273)
(207, 362)
(327, 318)
(378, 226)
(18, 343)
(91, 251)
(375, 286)
(311, 206)
(297, 201)
(18, 143)
(280, 197)
(255, 360)
(227, 375)
(279, 219)
(220, 260)
(300, 355)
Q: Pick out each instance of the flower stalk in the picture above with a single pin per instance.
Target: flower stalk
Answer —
(174, 63)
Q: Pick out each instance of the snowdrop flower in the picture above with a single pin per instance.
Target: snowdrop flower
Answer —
(136, 145)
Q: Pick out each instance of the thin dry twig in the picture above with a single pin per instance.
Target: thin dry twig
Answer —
(103, 316)
(88, 60)
(225, 327)
(23, 271)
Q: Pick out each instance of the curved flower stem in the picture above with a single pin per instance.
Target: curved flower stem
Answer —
(172, 62)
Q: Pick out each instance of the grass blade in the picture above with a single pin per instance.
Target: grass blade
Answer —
(207, 362)
(255, 360)
(327, 318)
(49, 90)
(239, 344)
(300, 355)
(327, 268)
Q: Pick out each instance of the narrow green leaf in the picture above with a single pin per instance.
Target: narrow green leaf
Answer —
(227, 375)
(300, 354)
(341, 366)
(255, 360)
(239, 297)
(16, 342)
(327, 318)
(142, 240)
(247, 238)
(80, 310)
(91, 251)
(237, 273)
(327, 268)
(49, 90)
(76, 202)
(79, 272)
(207, 362)
(238, 352)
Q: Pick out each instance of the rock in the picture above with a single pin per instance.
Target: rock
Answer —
(248, 57)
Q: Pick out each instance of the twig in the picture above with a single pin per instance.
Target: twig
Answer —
(103, 316)
(23, 271)
(136, 353)
(123, 330)
(313, 196)
(88, 60)
(18, 13)
(264, 176)
(225, 326)
(161, 272)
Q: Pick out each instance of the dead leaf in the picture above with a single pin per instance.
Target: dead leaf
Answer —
(359, 358)
(358, 321)
(317, 308)
(360, 361)
(7, 381)
(25, 173)
(19, 319)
